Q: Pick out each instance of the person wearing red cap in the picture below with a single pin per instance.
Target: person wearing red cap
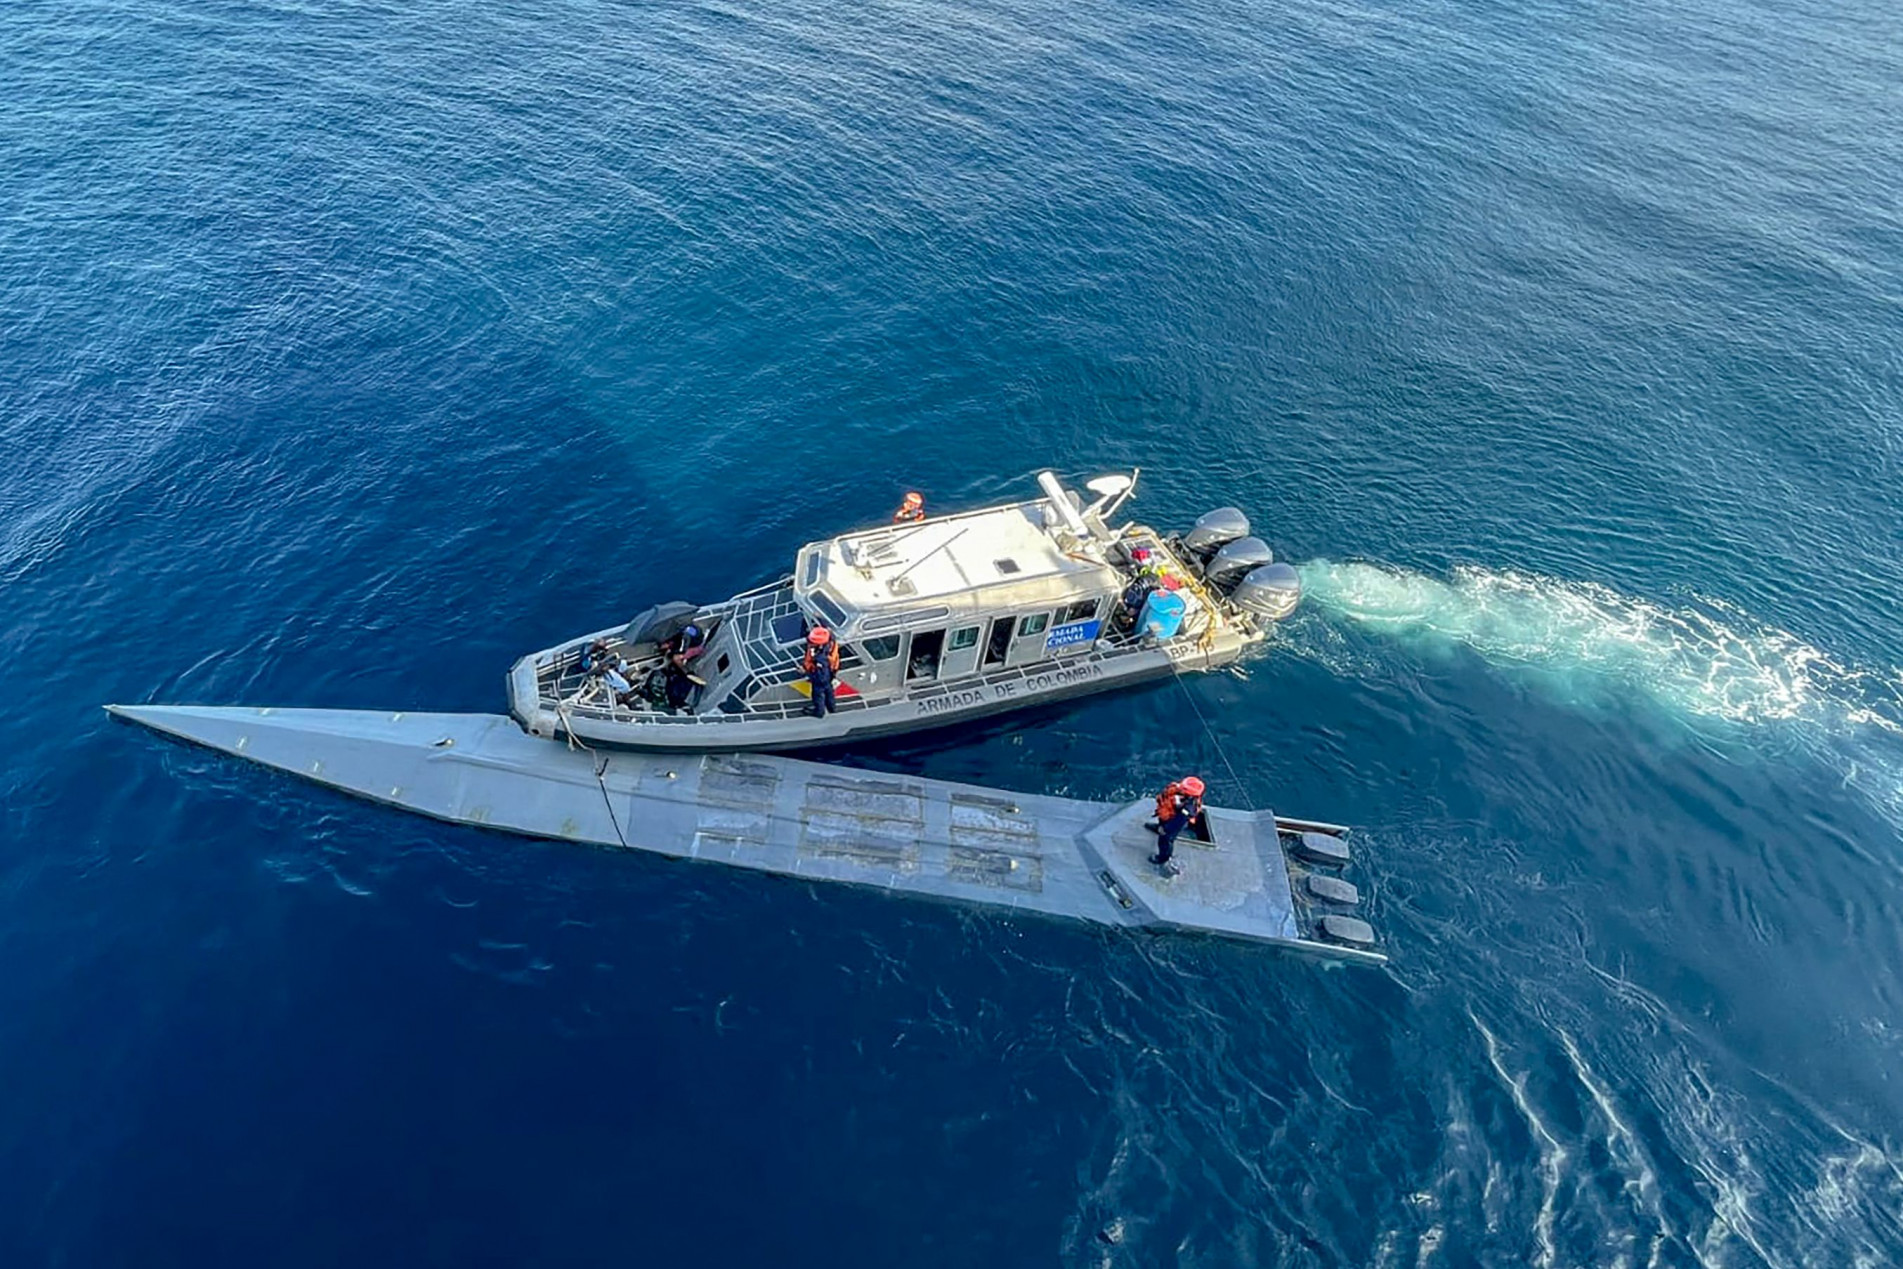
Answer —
(1177, 807)
(822, 666)
(913, 508)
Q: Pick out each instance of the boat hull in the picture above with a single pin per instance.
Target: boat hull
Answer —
(943, 706)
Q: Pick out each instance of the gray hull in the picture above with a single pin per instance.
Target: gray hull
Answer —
(940, 705)
(1056, 856)
(956, 703)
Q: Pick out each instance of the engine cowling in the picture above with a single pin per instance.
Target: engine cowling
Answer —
(1271, 591)
(1227, 566)
(1214, 529)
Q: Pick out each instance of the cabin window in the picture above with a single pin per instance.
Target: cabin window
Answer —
(962, 639)
(722, 665)
(1082, 610)
(828, 609)
(1035, 624)
(884, 648)
(812, 567)
(1006, 567)
(789, 627)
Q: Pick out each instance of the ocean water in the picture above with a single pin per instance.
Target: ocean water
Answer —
(349, 350)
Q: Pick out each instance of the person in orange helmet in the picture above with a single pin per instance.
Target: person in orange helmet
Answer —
(913, 508)
(821, 664)
(1177, 807)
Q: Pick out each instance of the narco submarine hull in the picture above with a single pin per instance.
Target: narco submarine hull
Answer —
(1257, 877)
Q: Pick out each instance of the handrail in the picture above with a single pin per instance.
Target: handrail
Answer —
(1107, 649)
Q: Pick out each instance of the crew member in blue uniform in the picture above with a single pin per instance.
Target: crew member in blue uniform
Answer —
(1145, 577)
(1177, 807)
(1130, 603)
(822, 667)
(682, 647)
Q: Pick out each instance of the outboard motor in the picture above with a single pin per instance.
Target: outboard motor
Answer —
(1241, 556)
(1270, 591)
(1216, 528)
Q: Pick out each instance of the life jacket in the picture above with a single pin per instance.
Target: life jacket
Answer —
(905, 515)
(811, 663)
(1166, 801)
(1172, 802)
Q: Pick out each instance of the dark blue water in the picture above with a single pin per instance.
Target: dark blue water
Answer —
(349, 350)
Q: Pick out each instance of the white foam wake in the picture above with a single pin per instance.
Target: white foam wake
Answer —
(1706, 661)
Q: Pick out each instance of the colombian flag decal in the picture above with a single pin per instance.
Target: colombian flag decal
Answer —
(840, 688)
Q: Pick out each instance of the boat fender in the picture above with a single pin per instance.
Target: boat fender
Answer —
(1352, 931)
(1320, 848)
(1333, 890)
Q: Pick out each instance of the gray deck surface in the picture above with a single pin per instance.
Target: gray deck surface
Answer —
(1059, 856)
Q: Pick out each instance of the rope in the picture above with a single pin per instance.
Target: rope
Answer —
(601, 768)
(1208, 731)
(1234, 776)
(1207, 642)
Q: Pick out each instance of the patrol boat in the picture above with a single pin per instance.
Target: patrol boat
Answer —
(938, 621)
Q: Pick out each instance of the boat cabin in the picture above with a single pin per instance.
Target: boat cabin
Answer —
(918, 604)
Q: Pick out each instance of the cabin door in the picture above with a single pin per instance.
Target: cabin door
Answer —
(961, 653)
(923, 660)
(1028, 647)
(998, 642)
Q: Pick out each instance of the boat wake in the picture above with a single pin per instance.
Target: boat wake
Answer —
(1706, 661)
